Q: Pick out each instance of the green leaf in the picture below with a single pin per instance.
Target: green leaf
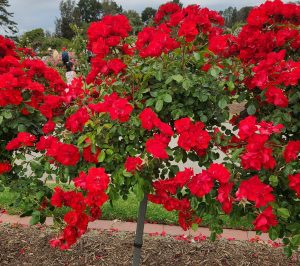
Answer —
(101, 156)
(236, 153)
(222, 103)
(187, 84)
(273, 180)
(1, 119)
(21, 128)
(195, 227)
(230, 85)
(295, 241)
(35, 218)
(273, 234)
(178, 78)
(283, 213)
(251, 109)
(127, 174)
(81, 139)
(196, 56)
(159, 105)
(194, 203)
(7, 114)
(158, 75)
(167, 98)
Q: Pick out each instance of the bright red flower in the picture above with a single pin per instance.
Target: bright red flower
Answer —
(120, 110)
(66, 154)
(276, 97)
(224, 197)
(72, 217)
(157, 147)
(116, 65)
(97, 180)
(165, 10)
(5, 167)
(269, 128)
(48, 127)
(96, 198)
(148, 118)
(45, 142)
(89, 156)
(188, 29)
(133, 163)
(255, 190)
(76, 121)
(164, 128)
(195, 138)
(291, 151)
(295, 183)
(225, 45)
(219, 172)
(57, 198)
(23, 139)
(265, 220)
(183, 124)
(201, 184)
(247, 127)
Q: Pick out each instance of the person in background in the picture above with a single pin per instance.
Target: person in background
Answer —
(65, 56)
(70, 74)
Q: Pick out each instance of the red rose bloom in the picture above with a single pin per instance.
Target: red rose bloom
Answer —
(224, 197)
(295, 183)
(89, 156)
(219, 172)
(48, 127)
(255, 190)
(276, 97)
(183, 124)
(133, 163)
(23, 139)
(148, 118)
(157, 148)
(247, 127)
(201, 184)
(291, 151)
(265, 220)
(5, 168)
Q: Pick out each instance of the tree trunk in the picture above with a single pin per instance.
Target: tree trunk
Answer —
(138, 241)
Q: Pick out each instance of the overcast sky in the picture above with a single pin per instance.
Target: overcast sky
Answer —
(31, 14)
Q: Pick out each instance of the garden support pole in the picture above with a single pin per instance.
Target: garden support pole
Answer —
(138, 241)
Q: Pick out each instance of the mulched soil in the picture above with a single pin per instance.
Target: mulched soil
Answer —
(29, 246)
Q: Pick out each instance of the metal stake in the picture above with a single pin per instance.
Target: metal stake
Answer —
(138, 241)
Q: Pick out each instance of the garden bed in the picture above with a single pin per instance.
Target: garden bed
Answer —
(29, 246)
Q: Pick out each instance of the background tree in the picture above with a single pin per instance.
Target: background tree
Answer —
(5, 18)
(177, 2)
(135, 20)
(33, 38)
(229, 15)
(243, 13)
(90, 10)
(110, 8)
(148, 13)
(69, 14)
(233, 16)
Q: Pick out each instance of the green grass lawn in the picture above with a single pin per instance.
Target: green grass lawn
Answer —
(121, 210)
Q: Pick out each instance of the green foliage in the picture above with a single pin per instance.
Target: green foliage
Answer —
(69, 14)
(89, 10)
(148, 13)
(6, 21)
(33, 38)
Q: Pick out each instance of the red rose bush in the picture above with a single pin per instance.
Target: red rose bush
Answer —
(154, 102)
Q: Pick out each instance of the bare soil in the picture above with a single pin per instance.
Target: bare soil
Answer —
(29, 246)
